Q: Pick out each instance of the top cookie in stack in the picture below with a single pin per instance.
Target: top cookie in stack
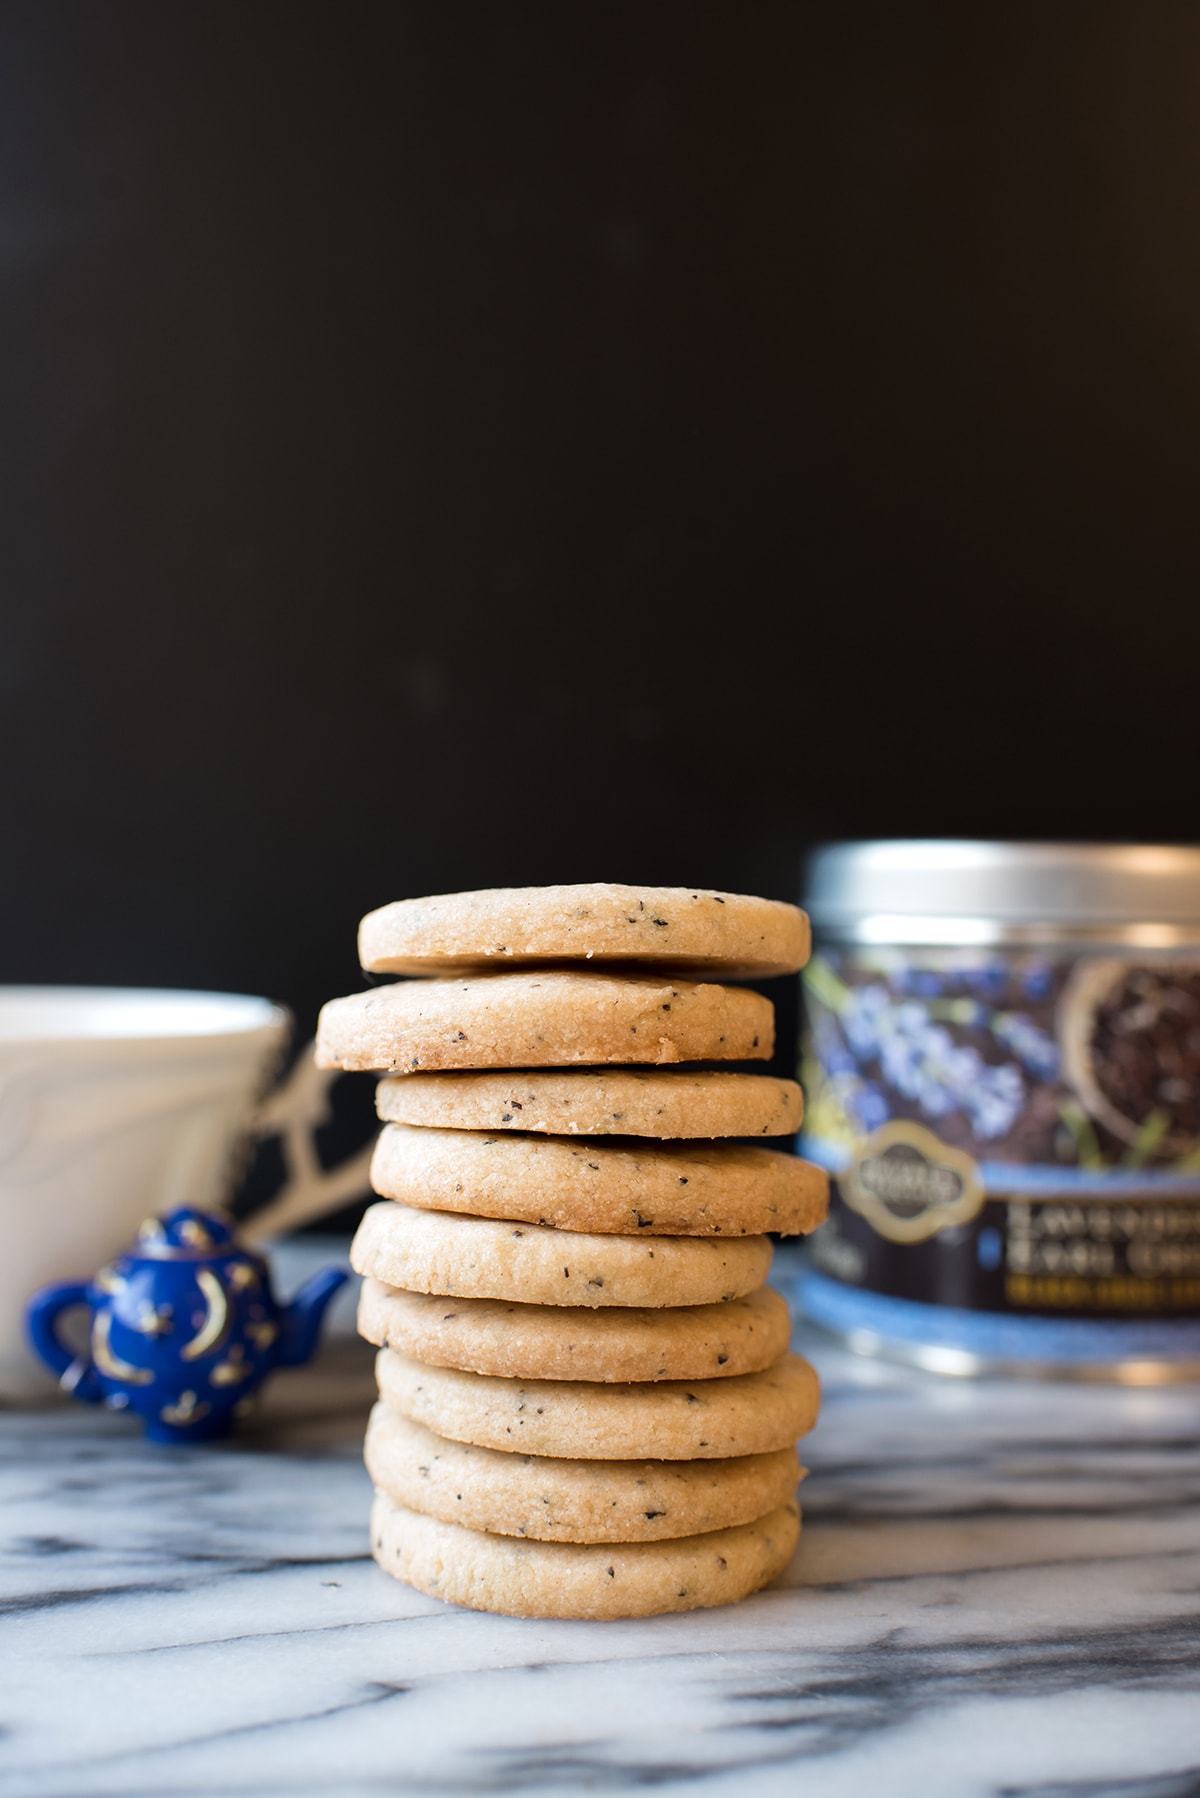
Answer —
(578, 1333)
(725, 935)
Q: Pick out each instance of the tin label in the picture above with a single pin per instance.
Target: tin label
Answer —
(1009, 1132)
(908, 1185)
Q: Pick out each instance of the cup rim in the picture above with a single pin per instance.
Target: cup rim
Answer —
(37, 1015)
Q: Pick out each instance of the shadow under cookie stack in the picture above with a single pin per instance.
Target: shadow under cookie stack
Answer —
(587, 1403)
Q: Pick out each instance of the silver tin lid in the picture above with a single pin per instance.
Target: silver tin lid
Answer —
(964, 893)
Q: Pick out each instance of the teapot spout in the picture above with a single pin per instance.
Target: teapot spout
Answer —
(300, 1322)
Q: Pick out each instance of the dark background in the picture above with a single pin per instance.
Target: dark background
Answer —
(463, 444)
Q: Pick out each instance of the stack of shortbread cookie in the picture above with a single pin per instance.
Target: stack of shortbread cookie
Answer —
(587, 1404)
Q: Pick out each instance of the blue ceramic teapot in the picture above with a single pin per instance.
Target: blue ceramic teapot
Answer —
(184, 1327)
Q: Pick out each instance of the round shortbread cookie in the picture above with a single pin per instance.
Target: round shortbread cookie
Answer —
(570, 1501)
(677, 1420)
(627, 1189)
(542, 1020)
(520, 1578)
(591, 1102)
(487, 1258)
(729, 934)
(556, 1342)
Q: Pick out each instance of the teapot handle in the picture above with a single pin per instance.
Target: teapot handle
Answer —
(294, 1112)
(75, 1374)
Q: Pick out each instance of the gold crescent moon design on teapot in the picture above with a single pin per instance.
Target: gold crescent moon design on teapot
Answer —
(216, 1319)
(110, 1363)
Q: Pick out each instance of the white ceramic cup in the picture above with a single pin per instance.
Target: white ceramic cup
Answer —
(118, 1103)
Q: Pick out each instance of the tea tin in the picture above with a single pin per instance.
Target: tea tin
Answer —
(1001, 1061)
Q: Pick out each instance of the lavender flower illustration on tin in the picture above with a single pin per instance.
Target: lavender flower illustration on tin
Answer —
(919, 1058)
(1033, 1047)
(1094, 1070)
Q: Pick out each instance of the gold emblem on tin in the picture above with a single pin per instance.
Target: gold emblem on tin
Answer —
(909, 1185)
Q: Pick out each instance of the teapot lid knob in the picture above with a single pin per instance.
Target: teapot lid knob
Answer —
(186, 1229)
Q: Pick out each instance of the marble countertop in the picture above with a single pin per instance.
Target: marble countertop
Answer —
(997, 1592)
